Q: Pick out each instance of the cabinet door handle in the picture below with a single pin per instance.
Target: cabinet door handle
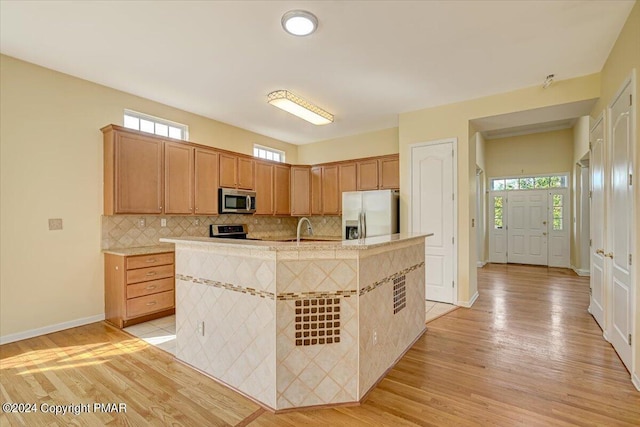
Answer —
(151, 273)
(150, 287)
(151, 260)
(152, 303)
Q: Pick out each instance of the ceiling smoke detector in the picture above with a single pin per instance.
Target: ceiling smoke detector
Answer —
(547, 81)
(299, 22)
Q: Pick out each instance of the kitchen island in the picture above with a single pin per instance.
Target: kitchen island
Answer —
(298, 324)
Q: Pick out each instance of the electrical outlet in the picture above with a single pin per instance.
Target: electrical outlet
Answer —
(163, 222)
(55, 223)
(196, 222)
(324, 220)
(375, 337)
(200, 328)
(255, 221)
(142, 222)
(279, 221)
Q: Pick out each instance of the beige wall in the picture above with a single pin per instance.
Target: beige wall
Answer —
(580, 149)
(622, 61)
(368, 144)
(452, 121)
(538, 153)
(51, 167)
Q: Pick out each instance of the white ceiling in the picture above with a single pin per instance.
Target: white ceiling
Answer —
(367, 62)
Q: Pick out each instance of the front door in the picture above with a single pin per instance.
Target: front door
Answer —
(597, 280)
(527, 227)
(432, 211)
(620, 219)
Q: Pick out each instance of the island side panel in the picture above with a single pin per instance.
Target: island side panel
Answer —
(231, 291)
(316, 294)
(402, 265)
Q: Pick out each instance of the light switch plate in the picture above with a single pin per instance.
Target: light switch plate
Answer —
(55, 223)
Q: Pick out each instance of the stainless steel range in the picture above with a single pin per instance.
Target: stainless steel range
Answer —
(234, 231)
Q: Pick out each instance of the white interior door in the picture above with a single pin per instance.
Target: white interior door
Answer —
(497, 227)
(597, 215)
(527, 227)
(432, 211)
(620, 230)
(558, 228)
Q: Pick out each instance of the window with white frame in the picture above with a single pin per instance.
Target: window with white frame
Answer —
(529, 183)
(268, 153)
(155, 125)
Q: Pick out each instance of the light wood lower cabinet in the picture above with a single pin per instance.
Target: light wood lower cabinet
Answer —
(138, 288)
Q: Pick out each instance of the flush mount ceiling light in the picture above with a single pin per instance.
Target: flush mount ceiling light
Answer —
(297, 106)
(299, 22)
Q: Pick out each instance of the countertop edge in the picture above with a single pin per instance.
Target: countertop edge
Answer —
(262, 245)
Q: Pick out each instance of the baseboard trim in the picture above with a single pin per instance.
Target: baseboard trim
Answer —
(581, 272)
(468, 304)
(635, 379)
(18, 336)
(481, 264)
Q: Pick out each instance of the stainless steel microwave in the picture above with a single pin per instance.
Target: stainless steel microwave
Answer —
(236, 201)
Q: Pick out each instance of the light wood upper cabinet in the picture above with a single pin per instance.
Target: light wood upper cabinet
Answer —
(367, 175)
(206, 182)
(178, 178)
(316, 190)
(300, 190)
(389, 173)
(228, 170)
(331, 196)
(237, 172)
(264, 189)
(133, 173)
(282, 189)
(273, 192)
(246, 173)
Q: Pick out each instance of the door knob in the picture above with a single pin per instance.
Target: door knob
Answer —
(544, 222)
(544, 233)
(609, 255)
(600, 251)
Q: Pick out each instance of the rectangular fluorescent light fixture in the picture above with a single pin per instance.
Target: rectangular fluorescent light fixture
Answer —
(297, 106)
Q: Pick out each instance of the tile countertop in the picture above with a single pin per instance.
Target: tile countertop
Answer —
(143, 250)
(369, 242)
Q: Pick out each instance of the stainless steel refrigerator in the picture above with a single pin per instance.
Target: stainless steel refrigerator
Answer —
(370, 213)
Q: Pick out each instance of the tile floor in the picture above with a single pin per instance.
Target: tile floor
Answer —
(159, 332)
(436, 309)
(162, 332)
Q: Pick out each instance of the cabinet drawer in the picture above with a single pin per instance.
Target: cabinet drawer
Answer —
(148, 288)
(149, 273)
(150, 303)
(152, 260)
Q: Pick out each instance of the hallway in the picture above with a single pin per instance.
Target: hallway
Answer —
(527, 353)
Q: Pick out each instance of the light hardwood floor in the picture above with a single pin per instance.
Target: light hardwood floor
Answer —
(527, 353)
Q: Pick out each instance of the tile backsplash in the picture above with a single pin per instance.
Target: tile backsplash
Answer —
(127, 231)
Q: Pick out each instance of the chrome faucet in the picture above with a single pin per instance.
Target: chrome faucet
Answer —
(309, 228)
